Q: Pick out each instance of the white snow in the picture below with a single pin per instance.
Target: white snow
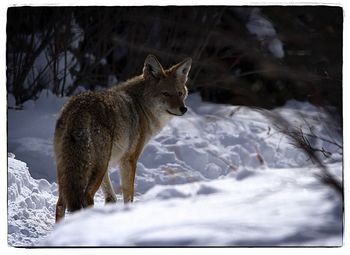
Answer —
(31, 205)
(274, 207)
(220, 175)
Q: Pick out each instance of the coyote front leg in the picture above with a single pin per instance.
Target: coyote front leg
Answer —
(127, 176)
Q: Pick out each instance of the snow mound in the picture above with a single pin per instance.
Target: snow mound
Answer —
(31, 205)
(213, 141)
(276, 207)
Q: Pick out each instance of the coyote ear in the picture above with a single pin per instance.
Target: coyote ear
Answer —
(152, 67)
(183, 69)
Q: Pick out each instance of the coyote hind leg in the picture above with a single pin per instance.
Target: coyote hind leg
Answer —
(60, 208)
(94, 183)
(107, 189)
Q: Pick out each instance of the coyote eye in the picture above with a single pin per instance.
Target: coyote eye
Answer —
(180, 93)
(166, 94)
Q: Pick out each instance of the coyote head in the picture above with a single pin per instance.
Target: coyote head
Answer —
(167, 87)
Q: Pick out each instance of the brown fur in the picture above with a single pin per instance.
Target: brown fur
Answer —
(98, 129)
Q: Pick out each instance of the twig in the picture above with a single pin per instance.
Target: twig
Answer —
(300, 141)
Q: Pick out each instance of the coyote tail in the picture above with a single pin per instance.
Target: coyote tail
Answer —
(75, 152)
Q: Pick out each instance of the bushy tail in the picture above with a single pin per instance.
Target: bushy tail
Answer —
(74, 164)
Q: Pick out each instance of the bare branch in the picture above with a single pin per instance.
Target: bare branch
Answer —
(299, 140)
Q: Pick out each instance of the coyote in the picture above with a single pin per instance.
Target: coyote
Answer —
(96, 130)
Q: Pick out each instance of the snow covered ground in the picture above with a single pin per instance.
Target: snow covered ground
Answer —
(220, 175)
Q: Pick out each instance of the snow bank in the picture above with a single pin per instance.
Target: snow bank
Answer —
(223, 171)
(31, 205)
(212, 141)
(272, 207)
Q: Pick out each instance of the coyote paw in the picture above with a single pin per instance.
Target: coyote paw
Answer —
(110, 199)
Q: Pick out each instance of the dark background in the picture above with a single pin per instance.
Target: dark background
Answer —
(62, 48)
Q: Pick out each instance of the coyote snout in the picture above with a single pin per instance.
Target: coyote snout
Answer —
(96, 130)
(182, 109)
(177, 110)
